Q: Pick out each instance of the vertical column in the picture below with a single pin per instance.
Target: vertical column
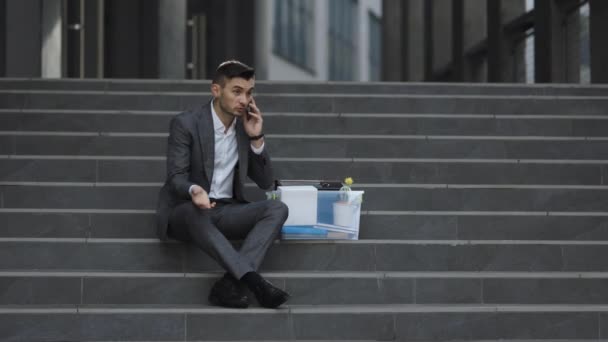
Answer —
(442, 39)
(392, 31)
(496, 48)
(404, 41)
(172, 38)
(93, 38)
(429, 59)
(263, 40)
(229, 27)
(458, 40)
(2, 38)
(571, 28)
(52, 39)
(132, 39)
(598, 26)
(75, 38)
(515, 46)
(148, 34)
(549, 42)
(23, 38)
(123, 39)
(475, 31)
(217, 18)
(231, 31)
(414, 50)
(245, 38)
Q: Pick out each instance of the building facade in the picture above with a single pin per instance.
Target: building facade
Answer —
(319, 40)
(186, 39)
(532, 41)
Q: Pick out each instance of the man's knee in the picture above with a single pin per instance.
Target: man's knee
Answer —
(195, 213)
(196, 218)
(278, 208)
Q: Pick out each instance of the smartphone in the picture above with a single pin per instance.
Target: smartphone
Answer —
(247, 110)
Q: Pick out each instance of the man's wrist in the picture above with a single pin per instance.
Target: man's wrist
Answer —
(257, 146)
(256, 137)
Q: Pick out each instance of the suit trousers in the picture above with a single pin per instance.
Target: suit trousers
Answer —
(257, 224)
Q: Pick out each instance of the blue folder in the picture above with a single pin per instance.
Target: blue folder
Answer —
(304, 230)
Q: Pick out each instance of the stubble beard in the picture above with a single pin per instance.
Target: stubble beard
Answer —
(224, 109)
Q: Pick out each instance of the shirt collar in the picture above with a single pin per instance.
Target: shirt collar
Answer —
(218, 125)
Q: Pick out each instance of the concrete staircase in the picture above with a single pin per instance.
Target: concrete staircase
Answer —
(485, 215)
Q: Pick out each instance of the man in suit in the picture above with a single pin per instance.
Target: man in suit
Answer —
(211, 150)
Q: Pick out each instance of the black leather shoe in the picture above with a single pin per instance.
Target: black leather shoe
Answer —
(228, 292)
(268, 295)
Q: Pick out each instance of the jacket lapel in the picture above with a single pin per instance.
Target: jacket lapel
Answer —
(243, 148)
(207, 140)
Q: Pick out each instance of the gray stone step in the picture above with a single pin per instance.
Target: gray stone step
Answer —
(322, 146)
(484, 227)
(288, 103)
(309, 87)
(426, 124)
(71, 169)
(86, 288)
(398, 322)
(366, 255)
(386, 226)
(7, 145)
(485, 198)
(86, 121)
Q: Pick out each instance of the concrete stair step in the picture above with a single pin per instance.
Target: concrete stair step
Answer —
(152, 170)
(320, 146)
(308, 87)
(86, 120)
(307, 123)
(121, 255)
(389, 226)
(395, 322)
(318, 103)
(380, 197)
(314, 288)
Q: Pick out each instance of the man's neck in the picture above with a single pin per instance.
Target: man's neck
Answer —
(225, 118)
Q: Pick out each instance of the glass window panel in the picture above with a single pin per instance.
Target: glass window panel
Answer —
(342, 35)
(293, 31)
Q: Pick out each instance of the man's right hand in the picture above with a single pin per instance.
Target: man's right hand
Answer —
(200, 198)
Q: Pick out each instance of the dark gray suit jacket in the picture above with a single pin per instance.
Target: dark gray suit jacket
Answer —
(190, 160)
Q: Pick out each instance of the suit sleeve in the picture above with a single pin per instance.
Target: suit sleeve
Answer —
(260, 169)
(178, 159)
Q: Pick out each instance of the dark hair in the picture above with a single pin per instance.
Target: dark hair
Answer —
(231, 69)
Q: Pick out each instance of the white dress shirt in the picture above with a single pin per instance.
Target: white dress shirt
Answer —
(226, 157)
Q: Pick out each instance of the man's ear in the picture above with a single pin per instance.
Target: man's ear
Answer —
(215, 90)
